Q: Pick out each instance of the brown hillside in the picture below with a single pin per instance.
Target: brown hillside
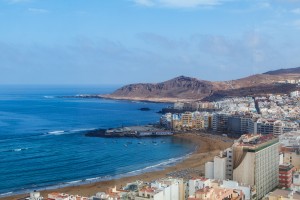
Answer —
(186, 89)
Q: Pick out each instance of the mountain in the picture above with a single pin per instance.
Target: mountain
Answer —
(184, 88)
(295, 70)
(179, 88)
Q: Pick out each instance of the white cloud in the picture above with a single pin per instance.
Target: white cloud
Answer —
(144, 2)
(289, 1)
(264, 5)
(85, 59)
(296, 11)
(38, 10)
(296, 23)
(179, 3)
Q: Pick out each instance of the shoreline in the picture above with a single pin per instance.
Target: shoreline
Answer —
(77, 183)
(139, 99)
(150, 99)
(206, 147)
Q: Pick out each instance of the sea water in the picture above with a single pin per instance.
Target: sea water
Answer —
(42, 142)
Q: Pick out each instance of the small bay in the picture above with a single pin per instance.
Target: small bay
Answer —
(42, 140)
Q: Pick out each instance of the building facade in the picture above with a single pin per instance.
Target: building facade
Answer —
(286, 175)
(256, 160)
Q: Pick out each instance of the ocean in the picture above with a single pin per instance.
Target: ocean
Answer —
(42, 142)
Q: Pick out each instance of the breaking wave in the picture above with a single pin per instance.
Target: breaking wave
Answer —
(49, 97)
(62, 132)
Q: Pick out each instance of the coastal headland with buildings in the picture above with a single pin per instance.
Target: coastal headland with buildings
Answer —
(150, 100)
(271, 120)
(247, 148)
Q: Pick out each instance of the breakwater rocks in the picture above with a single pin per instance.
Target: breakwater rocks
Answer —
(145, 109)
(96, 133)
(132, 131)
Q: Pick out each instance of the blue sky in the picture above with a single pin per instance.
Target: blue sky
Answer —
(129, 41)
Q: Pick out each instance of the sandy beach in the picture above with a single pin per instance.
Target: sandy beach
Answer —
(147, 99)
(207, 147)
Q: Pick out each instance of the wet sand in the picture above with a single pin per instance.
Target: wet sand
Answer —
(207, 147)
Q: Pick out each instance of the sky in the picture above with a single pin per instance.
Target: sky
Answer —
(133, 41)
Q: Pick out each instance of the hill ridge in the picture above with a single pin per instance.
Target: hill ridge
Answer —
(184, 88)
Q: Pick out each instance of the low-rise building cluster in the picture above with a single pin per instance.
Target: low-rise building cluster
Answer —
(289, 81)
(55, 196)
(290, 148)
(284, 107)
(198, 188)
(272, 114)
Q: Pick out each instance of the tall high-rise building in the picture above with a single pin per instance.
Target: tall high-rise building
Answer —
(256, 161)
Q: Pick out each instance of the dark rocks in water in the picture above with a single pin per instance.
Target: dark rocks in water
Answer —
(96, 133)
(144, 109)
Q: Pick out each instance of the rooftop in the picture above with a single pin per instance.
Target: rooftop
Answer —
(148, 190)
(256, 142)
(200, 178)
(255, 139)
(286, 167)
(285, 193)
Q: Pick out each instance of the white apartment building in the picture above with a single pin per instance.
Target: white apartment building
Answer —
(220, 162)
(209, 170)
(197, 184)
(164, 189)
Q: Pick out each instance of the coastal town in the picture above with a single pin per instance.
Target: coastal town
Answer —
(259, 158)
(150, 100)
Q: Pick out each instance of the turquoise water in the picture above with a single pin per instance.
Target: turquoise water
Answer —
(42, 142)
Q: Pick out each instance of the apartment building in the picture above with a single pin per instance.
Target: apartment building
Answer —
(286, 175)
(255, 162)
(220, 122)
(196, 184)
(164, 189)
(269, 126)
(240, 124)
(291, 155)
